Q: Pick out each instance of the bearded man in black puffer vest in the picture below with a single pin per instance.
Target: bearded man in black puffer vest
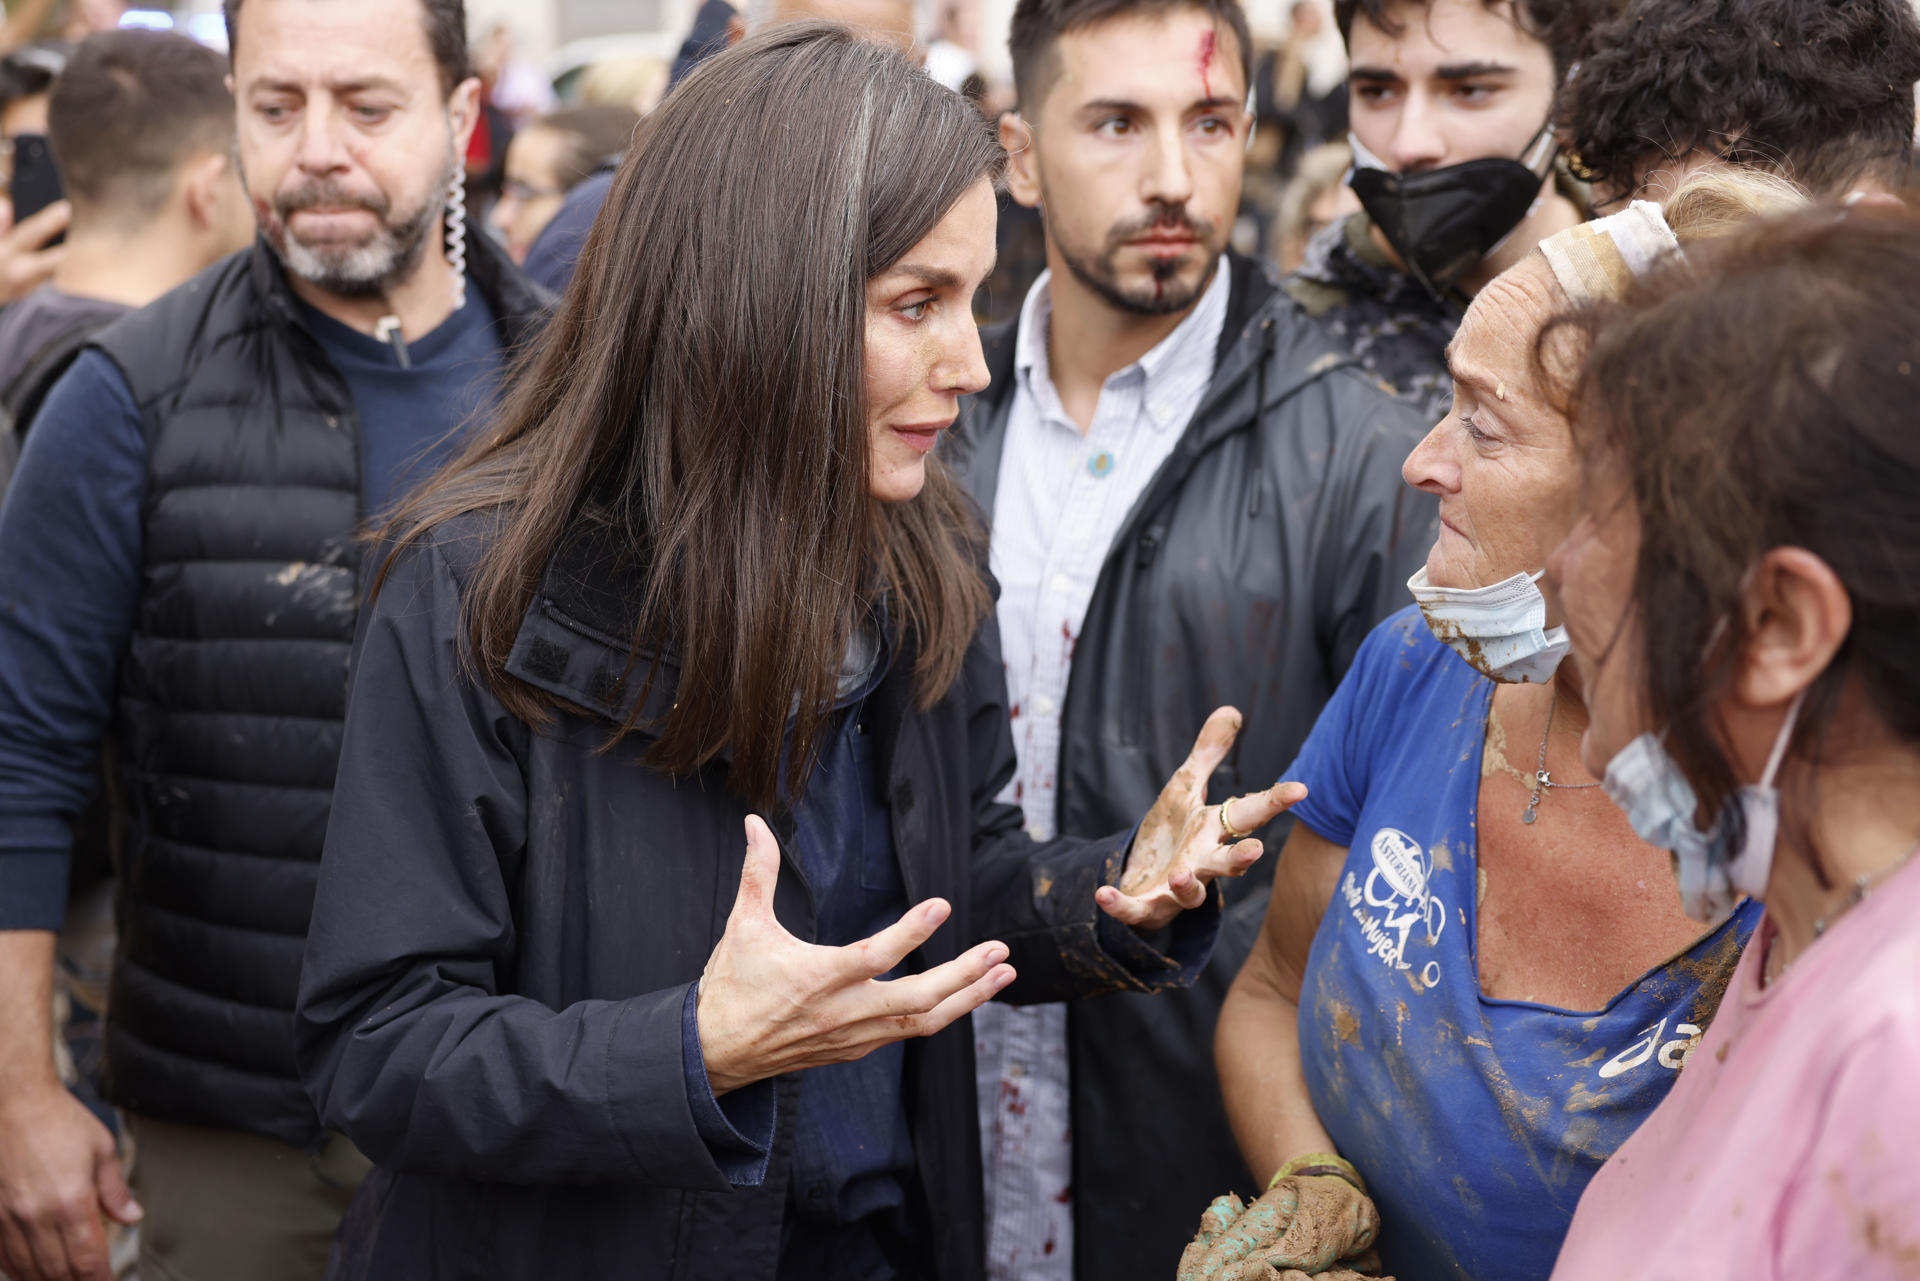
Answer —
(179, 579)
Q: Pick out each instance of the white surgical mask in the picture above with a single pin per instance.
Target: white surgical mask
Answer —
(1501, 631)
(1643, 780)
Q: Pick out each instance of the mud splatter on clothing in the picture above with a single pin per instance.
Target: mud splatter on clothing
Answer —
(1786, 1149)
(1379, 313)
(1476, 1122)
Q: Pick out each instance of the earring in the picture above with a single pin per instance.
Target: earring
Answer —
(457, 236)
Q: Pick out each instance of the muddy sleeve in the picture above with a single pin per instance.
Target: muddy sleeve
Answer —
(1037, 897)
(406, 1042)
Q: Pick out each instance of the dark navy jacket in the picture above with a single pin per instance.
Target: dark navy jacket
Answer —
(509, 920)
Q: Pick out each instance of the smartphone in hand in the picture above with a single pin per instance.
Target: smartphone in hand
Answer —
(36, 179)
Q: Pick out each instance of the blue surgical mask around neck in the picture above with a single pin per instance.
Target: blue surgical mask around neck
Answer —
(1643, 780)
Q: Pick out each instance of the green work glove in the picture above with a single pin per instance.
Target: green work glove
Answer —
(1303, 1226)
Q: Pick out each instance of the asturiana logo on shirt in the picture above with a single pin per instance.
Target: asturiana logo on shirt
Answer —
(1398, 888)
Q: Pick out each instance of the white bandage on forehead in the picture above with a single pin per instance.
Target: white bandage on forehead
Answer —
(1599, 259)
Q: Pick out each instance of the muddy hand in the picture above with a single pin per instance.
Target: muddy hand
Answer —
(1304, 1224)
(1183, 844)
(770, 1003)
(1229, 1234)
(1216, 1222)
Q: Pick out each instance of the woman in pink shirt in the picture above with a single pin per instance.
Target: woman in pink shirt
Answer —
(1743, 599)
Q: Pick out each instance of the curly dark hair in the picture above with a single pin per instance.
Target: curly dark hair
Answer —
(1820, 91)
(1558, 24)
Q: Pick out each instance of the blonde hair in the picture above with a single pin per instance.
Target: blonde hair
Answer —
(1599, 260)
(634, 81)
(1719, 200)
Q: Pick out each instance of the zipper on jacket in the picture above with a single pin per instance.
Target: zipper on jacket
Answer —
(1257, 473)
(1133, 722)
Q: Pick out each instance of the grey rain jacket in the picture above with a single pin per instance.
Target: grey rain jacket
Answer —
(509, 919)
(1266, 548)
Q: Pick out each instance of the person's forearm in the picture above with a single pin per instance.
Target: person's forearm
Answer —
(26, 1012)
(1257, 1050)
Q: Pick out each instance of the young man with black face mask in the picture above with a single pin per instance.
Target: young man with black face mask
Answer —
(1454, 163)
(1195, 498)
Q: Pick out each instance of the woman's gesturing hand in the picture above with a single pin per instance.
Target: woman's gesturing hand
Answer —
(770, 1003)
(1183, 842)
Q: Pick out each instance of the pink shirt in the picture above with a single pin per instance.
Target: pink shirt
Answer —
(1790, 1145)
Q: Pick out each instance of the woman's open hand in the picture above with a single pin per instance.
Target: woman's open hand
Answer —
(1183, 843)
(770, 1003)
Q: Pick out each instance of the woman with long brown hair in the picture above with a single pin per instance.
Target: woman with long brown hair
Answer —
(706, 566)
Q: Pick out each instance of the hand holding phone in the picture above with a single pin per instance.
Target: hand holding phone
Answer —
(34, 221)
(35, 181)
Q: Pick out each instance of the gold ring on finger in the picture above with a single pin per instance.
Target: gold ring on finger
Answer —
(1232, 833)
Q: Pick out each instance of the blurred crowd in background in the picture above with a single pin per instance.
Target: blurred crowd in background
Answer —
(549, 125)
(1252, 410)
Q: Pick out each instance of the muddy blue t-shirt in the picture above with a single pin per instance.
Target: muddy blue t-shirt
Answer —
(1477, 1123)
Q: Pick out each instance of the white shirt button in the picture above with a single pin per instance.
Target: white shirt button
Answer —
(1060, 585)
(1036, 831)
(1043, 705)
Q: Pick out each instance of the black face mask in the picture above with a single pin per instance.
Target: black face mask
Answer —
(1442, 222)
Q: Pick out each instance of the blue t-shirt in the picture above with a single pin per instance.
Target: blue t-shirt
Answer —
(413, 417)
(1477, 1123)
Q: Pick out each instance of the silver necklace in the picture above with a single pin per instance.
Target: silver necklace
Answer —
(1862, 886)
(1542, 781)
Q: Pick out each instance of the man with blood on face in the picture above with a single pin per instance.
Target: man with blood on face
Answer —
(1194, 498)
(182, 579)
(1138, 182)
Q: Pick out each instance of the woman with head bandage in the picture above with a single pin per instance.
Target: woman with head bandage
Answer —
(1474, 980)
(1742, 599)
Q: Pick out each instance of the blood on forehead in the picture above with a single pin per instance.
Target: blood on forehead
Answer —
(1209, 43)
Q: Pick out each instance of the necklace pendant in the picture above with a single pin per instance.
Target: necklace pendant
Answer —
(1532, 805)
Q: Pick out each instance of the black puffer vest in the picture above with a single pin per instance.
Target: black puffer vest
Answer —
(232, 689)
